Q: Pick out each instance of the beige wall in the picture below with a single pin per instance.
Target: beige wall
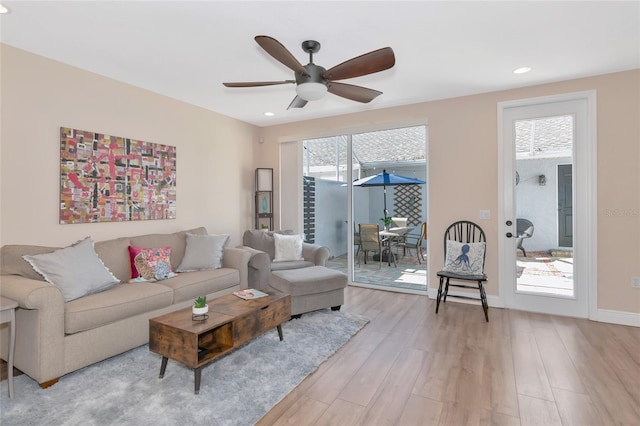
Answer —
(214, 153)
(217, 157)
(463, 136)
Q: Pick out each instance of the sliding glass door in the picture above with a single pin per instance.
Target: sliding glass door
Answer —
(334, 209)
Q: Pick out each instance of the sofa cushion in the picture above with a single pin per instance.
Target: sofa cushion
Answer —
(76, 270)
(14, 264)
(264, 241)
(203, 252)
(190, 285)
(282, 266)
(115, 256)
(177, 241)
(117, 303)
(300, 282)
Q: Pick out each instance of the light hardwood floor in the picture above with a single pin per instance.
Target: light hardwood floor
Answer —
(409, 366)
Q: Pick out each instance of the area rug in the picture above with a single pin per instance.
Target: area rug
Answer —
(237, 389)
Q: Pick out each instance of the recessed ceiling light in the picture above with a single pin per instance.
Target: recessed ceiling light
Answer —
(269, 114)
(3, 9)
(522, 70)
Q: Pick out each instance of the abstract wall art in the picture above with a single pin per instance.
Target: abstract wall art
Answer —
(106, 178)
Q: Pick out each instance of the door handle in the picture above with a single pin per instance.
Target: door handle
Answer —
(509, 235)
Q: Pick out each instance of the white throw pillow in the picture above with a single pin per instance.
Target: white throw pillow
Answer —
(288, 247)
(76, 270)
(464, 258)
(203, 252)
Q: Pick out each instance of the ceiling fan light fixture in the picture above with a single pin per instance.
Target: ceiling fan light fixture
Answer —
(311, 91)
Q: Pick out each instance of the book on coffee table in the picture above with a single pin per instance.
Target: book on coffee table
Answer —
(250, 293)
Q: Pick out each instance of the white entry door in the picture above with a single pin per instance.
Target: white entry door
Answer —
(576, 294)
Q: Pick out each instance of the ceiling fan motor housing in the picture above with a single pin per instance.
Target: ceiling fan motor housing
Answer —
(313, 86)
(315, 75)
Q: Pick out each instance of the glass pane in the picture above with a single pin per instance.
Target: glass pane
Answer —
(544, 240)
(401, 152)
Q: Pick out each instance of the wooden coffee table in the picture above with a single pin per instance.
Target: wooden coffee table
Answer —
(232, 322)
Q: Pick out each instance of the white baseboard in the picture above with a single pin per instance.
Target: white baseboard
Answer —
(618, 317)
(603, 315)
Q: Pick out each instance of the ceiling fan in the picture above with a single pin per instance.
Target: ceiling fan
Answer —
(313, 81)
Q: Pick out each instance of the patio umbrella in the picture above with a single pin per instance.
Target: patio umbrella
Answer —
(385, 179)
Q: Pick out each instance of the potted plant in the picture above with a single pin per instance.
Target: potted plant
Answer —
(200, 306)
(387, 222)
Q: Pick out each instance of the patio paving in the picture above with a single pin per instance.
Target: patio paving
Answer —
(537, 273)
(408, 274)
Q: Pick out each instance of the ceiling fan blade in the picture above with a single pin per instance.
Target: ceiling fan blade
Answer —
(355, 93)
(258, 83)
(297, 102)
(369, 63)
(274, 48)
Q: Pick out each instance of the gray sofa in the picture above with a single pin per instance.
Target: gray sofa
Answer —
(261, 245)
(54, 337)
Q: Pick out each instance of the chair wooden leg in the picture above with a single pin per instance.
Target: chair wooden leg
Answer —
(446, 291)
(483, 299)
(439, 294)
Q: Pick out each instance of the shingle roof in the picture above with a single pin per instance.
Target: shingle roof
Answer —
(406, 144)
(550, 135)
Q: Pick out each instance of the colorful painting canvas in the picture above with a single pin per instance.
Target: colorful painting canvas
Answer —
(106, 178)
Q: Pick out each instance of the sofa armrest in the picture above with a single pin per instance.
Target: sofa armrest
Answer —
(237, 259)
(39, 326)
(259, 268)
(315, 253)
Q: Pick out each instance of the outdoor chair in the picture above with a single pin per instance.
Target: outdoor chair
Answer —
(414, 241)
(370, 242)
(524, 229)
(399, 222)
(465, 249)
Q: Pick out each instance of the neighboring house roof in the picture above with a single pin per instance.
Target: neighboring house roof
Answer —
(533, 137)
(395, 145)
(544, 135)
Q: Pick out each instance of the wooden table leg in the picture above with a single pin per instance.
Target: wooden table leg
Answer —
(163, 366)
(198, 376)
(279, 327)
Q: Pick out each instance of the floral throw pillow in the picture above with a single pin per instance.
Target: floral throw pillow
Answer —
(150, 264)
(464, 258)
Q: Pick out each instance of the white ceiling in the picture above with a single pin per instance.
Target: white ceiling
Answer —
(186, 49)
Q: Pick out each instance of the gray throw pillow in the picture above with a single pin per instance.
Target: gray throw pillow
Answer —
(76, 270)
(203, 252)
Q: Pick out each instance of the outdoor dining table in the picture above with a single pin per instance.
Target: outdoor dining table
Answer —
(391, 235)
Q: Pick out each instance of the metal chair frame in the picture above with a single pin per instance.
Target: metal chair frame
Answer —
(524, 229)
(414, 241)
